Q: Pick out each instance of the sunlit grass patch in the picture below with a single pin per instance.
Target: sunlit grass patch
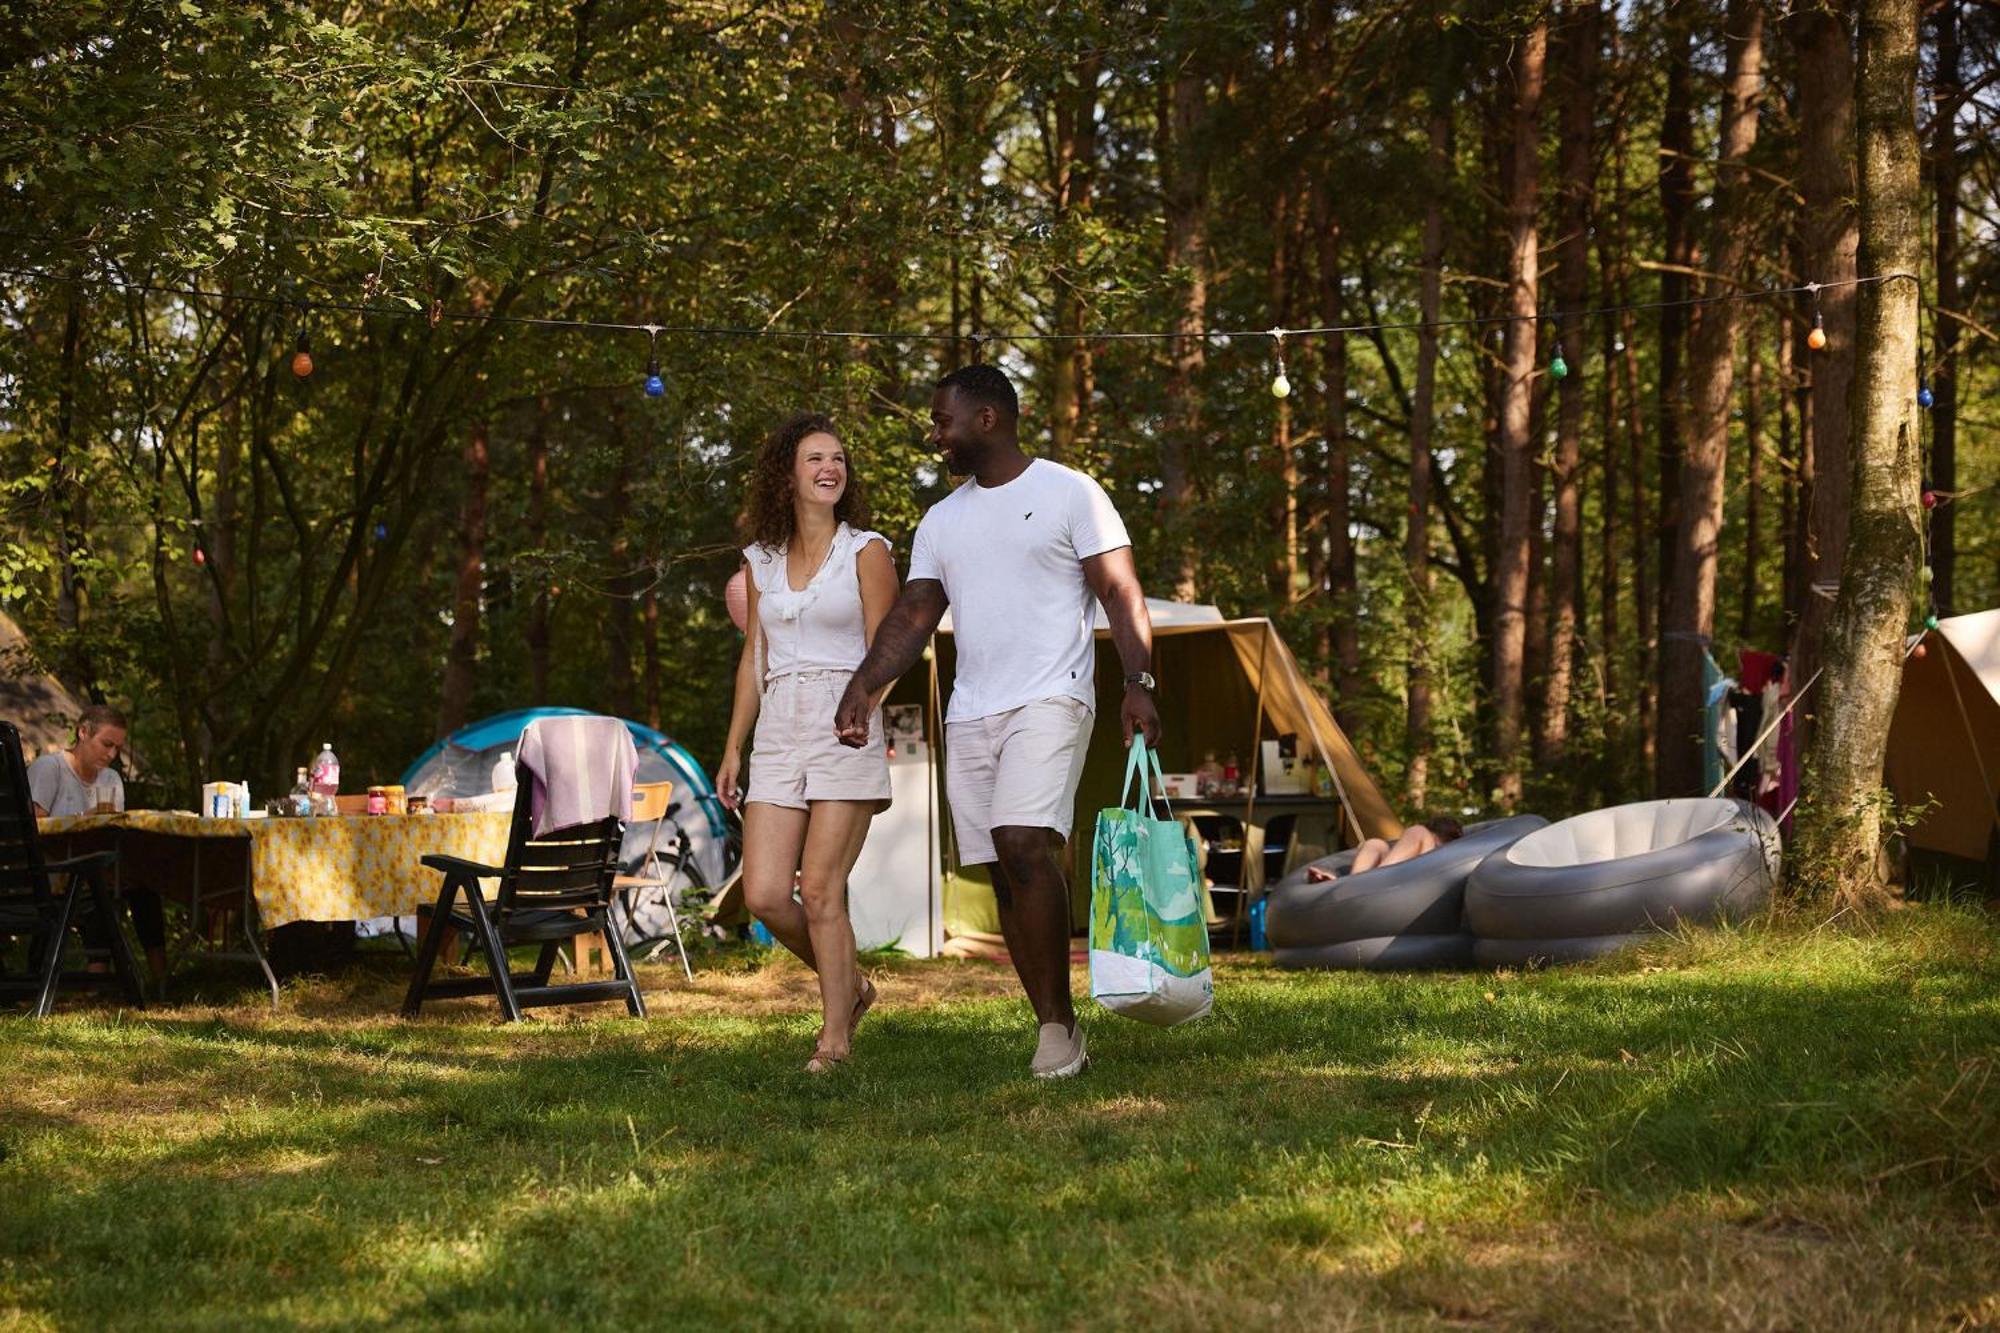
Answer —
(1726, 1130)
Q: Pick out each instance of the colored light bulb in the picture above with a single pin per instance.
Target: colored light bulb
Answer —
(1559, 367)
(200, 556)
(1927, 574)
(302, 359)
(1920, 652)
(1929, 499)
(1930, 621)
(655, 386)
(1817, 338)
(1924, 396)
(1281, 387)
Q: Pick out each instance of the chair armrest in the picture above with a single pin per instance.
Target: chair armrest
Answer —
(459, 865)
(77, 865)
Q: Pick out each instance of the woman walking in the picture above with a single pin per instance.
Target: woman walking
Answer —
(819, 583)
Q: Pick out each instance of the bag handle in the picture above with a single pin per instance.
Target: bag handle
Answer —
(1143, 762)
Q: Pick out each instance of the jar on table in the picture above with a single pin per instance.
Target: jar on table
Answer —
(378, 801)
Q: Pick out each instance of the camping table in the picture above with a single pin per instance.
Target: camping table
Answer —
(345, 868)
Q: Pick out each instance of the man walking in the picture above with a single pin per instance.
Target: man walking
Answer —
(1019, 552)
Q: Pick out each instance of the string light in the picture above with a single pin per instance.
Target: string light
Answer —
(435, 313)
(1557, 366)
(1281, 387)
(1929, 498)
(1931, 621)
(302, 357)
(655, 386)
(1817, 338)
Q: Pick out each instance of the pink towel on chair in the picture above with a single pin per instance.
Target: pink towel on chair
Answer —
(582, 768)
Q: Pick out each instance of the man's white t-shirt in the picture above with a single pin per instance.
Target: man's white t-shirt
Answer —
(1009, 558)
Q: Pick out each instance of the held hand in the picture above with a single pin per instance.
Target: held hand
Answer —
(1140, 713)
(726, 774)
(850, 719)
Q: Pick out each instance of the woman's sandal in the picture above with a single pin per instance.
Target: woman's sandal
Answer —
(862, 1004)
(824, 1062)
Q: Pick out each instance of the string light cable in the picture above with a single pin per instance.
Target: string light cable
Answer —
(437, 313)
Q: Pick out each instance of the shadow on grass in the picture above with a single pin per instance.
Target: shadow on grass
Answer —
(387, 1172)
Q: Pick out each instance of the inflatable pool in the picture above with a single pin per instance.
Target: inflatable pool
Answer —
(1396, 917)
(1588, 886)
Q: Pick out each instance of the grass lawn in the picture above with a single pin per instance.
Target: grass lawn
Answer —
(1785, 1128)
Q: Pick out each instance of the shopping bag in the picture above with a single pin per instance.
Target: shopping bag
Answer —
(1148, 929)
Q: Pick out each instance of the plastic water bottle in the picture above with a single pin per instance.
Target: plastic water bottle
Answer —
(325, 776)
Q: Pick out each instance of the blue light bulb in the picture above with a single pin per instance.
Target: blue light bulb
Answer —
(1925, 397)
(655, 386)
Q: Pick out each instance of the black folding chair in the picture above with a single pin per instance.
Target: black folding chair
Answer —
(30, 906)
(552, 888)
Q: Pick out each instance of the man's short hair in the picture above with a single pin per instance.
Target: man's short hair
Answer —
(986, 386)
(95, 716)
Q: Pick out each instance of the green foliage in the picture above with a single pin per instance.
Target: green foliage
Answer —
(867, 167)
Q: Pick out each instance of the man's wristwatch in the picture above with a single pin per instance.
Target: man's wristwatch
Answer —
(1143, 679)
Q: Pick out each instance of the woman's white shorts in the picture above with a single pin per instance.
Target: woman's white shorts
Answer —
(796, 759)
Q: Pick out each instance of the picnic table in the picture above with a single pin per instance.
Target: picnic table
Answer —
(274, 871)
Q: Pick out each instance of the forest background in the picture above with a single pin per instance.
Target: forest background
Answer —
(1503, 577)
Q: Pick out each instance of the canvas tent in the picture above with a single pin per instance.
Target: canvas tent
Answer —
(34, 701)
(1224, 686)
(1944, 741)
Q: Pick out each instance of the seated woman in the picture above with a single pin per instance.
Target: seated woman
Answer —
(1433, 833)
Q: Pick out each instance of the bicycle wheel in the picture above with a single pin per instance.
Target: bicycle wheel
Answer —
(641, 913)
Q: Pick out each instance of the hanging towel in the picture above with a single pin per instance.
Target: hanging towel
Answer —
(582, 769)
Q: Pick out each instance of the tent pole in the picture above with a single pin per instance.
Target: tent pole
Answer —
(1250, 805)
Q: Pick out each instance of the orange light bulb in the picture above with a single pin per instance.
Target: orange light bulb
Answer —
(302, 364)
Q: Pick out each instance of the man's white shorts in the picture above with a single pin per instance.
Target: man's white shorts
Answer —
(1016, 769)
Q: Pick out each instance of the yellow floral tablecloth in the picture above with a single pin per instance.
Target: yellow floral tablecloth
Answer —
(346, 868)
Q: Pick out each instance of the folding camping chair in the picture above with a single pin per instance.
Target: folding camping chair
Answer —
(552, 888)
(30, 906)
(652, 802)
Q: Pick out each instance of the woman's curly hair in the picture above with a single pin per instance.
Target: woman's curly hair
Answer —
(768, 516)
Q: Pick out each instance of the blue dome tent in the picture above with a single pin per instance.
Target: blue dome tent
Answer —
(462, 765)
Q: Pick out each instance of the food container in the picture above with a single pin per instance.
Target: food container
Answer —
(378, 801)
(417, 805)
(393, 796)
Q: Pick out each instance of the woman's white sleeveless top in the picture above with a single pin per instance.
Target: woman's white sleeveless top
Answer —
(819, 627)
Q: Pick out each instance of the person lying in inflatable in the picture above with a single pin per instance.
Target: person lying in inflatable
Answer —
(1433, 833)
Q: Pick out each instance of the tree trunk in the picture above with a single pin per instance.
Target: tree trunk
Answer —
(1705, 457)
(73, 664)
(1753, 490)
(462, 658)
(1073, 156)
(1343, 582)
(622, 678)
(1840, 825)
(538, 539)
(1945, 173)
(1676, 213)
(1522, 179)
(1829, 239)
(1577, 155)
(1281, 512)
(1417, 543)
(1184, 188)
(1791, 453)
